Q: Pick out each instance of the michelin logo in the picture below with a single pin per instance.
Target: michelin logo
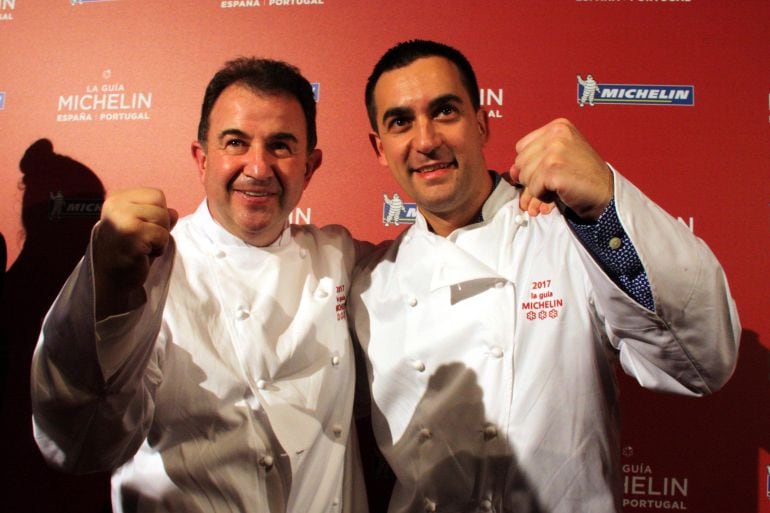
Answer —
(590, 88)
(591, 92)
(63, 207)
(395, 211)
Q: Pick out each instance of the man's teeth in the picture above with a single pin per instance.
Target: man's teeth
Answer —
(255, 194)
(432, 168)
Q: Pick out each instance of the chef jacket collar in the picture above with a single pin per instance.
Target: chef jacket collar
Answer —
(502, 193)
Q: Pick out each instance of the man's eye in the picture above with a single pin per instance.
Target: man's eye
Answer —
(397, 124)
(235, 146)
(281, 149)
(446, 110)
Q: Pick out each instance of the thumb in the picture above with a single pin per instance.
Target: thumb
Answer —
(173, 217)
(513, 172)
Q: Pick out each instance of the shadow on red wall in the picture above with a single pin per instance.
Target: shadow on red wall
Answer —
(61, 202)
(669, 438)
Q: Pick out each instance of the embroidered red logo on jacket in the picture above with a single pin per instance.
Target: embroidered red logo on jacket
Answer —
(341, 302)
(541, 303)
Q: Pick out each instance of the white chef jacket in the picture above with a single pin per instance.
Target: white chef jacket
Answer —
(231, 389)
(490, 353)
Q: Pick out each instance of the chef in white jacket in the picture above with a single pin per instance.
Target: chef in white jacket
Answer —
(491, 336)
(210, 368)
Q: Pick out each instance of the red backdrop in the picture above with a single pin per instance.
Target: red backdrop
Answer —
(99, 95)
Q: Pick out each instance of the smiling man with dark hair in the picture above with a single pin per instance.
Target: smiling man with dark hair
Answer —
(491, 337)
(206, 366)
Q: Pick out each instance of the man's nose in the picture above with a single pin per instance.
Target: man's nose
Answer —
(258, 163)
(428, 137)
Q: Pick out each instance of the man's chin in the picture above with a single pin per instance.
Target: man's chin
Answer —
(260, 232)
(436, 204)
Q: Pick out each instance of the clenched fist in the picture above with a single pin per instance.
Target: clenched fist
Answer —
(133, 230)
(556, 163)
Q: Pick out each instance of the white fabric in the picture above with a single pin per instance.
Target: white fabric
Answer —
(231, 389)
(491, 353)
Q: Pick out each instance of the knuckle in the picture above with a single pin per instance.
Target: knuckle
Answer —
(160, 197)
(151, 195)
(553, 161)
(561, 128)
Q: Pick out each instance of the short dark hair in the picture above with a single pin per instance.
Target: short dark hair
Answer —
(404, 54)
(263, 76)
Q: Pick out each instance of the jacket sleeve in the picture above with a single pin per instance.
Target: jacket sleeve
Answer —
(689, 343)
(92, 384)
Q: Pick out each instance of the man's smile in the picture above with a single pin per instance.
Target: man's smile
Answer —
(433, 167)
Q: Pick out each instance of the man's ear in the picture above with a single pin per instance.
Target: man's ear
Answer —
(482, 120)
(313, 163)
(199, 155)
(376, 143)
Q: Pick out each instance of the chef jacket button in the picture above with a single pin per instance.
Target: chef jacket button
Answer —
(425, 434)
(412, 301)
(243, 314)
(336, 502)
(496, 352)
(520, 219)
(335, 360)
(490, 432)
(337, 430)
(321, 293)
(302, 253)
(407, 239)
(220, 254)
(430, 506)
(261, 384)
(499, 284)
(486, 505)
(418, 365)
(615, 243)
(266, 462)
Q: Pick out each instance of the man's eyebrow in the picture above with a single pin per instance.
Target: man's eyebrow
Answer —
(396, 112)
(443, 100)
(280, 136)
(284, 136)
(434, 103)
(233, 131)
